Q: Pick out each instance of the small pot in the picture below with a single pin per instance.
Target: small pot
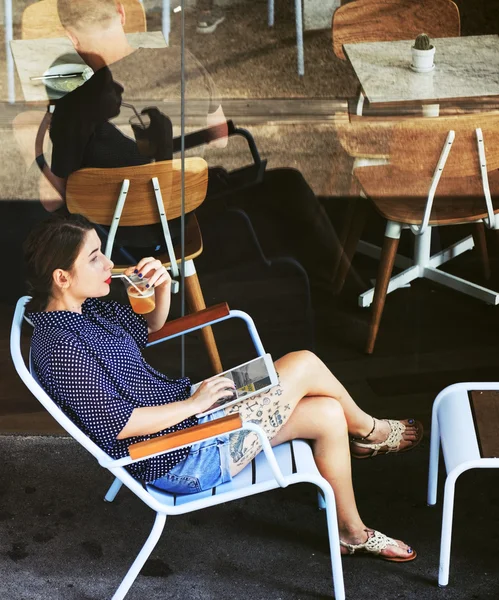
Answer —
(422, 60)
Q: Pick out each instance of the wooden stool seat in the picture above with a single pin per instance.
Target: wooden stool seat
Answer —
(399, 197)
(387, 20)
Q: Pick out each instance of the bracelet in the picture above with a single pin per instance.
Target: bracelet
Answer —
(360, 439)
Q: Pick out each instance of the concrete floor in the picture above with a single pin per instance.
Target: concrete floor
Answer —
(61, 541)
(58, 540)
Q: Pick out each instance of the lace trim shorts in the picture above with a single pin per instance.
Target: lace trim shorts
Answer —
(207, 465)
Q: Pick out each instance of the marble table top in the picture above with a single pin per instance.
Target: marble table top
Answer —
(34, 57)
(465, 67)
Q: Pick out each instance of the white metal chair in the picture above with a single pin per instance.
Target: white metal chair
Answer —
(279, 467)
(456, 431)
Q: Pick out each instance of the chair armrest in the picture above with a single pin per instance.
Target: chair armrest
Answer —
(207, 135)
(185, 436)
(202, 317)
(211, 429)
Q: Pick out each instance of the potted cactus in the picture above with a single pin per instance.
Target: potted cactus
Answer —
(423, 52)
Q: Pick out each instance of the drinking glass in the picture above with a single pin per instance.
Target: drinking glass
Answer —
(142, 298)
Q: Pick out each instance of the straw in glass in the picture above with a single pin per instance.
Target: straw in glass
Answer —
(136, 113)
(122, 275)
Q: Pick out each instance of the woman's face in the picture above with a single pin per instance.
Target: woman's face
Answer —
(90, 276)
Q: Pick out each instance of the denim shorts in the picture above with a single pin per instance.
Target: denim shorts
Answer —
(207, 465)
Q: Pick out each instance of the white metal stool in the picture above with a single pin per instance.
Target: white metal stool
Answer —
(468, 441)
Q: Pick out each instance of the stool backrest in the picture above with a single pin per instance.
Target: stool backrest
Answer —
(41, 20)
(390, 20)
(94, 192)
(416, 144)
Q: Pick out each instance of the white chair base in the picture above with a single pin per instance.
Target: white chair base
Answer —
(453, 430)
(423, 265)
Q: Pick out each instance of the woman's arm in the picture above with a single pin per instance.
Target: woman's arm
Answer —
(151, 419)
(160, 279)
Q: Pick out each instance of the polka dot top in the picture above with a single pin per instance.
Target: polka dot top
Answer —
(90, 364)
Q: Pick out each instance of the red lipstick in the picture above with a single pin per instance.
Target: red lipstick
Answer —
(108, 281)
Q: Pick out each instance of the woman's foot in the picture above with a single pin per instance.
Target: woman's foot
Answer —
(377, 544)
(387, 436)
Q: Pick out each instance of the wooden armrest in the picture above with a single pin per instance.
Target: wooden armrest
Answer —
(185, 436)
(193, 320)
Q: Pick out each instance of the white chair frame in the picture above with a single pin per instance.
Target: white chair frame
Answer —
(120, 204)
(453, 429)
(273, 467)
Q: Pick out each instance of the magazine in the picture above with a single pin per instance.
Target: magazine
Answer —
(251, 378)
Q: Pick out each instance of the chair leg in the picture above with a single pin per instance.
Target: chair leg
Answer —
(355, 221)
(434, 460)
(142, 556)
(196, 302)
(113, 490)
(481, 244)
(334, 543)
(388, 254)
(446, 536)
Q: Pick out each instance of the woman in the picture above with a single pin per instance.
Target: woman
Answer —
(87, 356)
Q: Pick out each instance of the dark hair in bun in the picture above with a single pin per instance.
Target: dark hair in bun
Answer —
(52, 244)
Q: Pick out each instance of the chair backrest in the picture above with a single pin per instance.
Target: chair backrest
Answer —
(416, 145)
(94, 192)
(35, 388)
(389, 20)
(40, 19)
(31, 381)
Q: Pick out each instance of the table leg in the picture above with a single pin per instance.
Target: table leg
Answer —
(166, 25)
(9, 35)
(299, 37)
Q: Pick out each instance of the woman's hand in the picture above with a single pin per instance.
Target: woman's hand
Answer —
(160, 280)
(153, 269)
(211, 391)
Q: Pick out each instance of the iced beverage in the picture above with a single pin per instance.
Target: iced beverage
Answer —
(142, 301)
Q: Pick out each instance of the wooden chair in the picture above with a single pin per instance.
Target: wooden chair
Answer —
(284, 465)
(366, 138)
(421, 189)
(40, 19)
(389, 20)
(102, 196)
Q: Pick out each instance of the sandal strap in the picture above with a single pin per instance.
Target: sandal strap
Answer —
(375, 543)
(392, 442)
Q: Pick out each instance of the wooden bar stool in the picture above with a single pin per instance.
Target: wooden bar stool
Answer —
(133, 196)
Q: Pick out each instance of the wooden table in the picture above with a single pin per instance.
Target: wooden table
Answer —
(34, 57)
(9, 36)
(465, 67)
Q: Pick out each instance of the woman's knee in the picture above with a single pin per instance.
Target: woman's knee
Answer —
(305, 359)
(329, 413)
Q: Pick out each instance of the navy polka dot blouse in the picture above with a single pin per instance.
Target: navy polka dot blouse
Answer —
(91, 365)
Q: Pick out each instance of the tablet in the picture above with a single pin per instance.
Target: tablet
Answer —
(251, 378)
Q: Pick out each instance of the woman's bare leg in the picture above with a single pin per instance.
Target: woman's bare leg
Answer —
(310, 403)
